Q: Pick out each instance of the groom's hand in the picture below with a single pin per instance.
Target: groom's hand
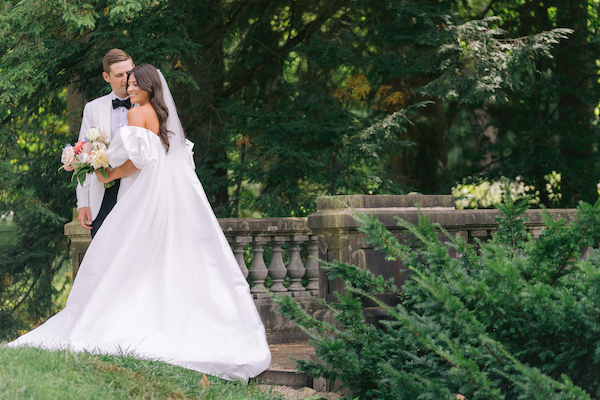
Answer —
(85, 217)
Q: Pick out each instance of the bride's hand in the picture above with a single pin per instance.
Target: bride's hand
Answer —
(101, 178)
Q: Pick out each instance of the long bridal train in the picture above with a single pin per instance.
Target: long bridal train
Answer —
(160, 279)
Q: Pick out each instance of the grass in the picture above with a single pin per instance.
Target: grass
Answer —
(29, 373)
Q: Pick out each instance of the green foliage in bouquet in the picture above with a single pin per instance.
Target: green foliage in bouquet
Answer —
(515, 319)
(80, 173)
(82, 170)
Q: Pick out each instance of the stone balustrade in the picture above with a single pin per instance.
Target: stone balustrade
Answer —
(255, 233)
(340, 240)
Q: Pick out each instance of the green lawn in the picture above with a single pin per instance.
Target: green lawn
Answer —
(29, 373)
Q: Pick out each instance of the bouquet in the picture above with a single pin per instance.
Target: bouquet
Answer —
(86, 157)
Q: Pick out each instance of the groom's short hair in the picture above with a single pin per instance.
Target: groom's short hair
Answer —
(112, 57)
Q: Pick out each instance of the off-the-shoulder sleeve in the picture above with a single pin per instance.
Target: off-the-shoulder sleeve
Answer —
(130, 143)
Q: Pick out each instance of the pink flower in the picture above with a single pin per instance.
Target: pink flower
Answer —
(68, 157)
(87, 147)
(79, 146)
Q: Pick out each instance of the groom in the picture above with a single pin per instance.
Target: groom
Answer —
(108, 113)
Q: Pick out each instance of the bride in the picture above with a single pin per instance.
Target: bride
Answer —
(159, 279)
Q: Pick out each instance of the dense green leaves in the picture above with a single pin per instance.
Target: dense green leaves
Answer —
(517, 320)
(40, 197)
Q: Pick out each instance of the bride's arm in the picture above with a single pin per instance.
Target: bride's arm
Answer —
(120, 172)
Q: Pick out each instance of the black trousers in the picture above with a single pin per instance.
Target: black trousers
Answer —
(108, 202)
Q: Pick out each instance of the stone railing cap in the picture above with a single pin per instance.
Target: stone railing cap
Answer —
(450, 219)
(264, 225)
(386, 201)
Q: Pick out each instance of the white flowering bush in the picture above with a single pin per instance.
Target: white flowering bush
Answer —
(486, 194)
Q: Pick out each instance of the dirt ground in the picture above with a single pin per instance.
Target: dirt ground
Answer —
(303, 393)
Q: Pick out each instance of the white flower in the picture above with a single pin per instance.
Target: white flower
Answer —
(99, 158)
(99, 146)
(83, 157)
(92, 134)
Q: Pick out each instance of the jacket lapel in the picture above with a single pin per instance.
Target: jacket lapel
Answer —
(105, 113)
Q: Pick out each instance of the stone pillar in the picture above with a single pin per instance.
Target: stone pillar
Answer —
(313, 266)
(237, 244)
(258, 270)
(296, 269)
(80, 241)
(277, 270)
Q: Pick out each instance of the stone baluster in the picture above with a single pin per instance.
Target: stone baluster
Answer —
(277, 270)
(312, 266)
(258, 269)
(238, 243)
(295, 268)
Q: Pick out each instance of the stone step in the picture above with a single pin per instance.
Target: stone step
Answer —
(282, 370)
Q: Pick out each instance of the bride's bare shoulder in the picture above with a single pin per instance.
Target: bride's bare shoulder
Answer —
(141, 116)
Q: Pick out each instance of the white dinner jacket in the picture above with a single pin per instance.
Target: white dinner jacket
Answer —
(96, 113)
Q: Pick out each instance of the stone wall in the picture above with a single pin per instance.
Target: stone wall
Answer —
(339, 238)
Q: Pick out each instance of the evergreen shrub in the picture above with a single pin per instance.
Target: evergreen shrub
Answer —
(511, 318)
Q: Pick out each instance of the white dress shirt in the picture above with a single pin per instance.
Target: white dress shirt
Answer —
(118, 117)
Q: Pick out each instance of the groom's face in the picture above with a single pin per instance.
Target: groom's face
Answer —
(117, 77)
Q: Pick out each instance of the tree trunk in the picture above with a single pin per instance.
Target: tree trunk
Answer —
(75, 104)
(575, 103)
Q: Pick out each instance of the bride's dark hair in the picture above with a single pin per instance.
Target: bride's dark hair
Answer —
(147, 79)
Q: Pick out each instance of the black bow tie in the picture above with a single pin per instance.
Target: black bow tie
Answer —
(121, 103)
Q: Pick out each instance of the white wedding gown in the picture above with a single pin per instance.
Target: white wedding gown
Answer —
(159, 279)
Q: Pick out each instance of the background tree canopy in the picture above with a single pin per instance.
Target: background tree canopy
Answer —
(287, 100)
